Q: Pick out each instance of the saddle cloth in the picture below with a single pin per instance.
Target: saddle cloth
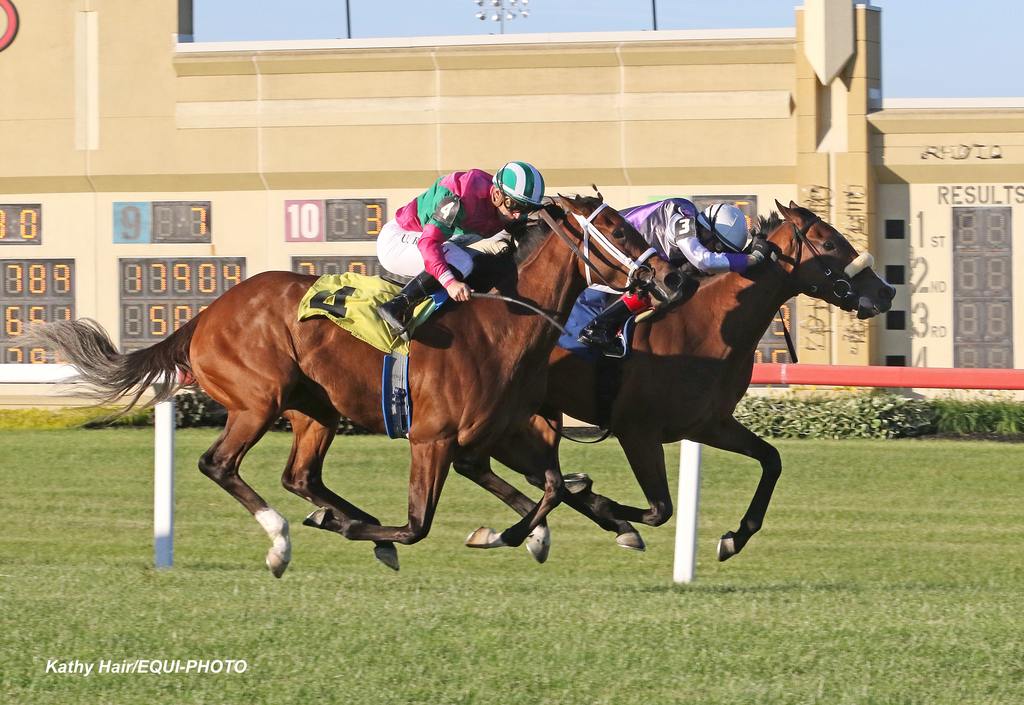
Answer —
(350, 300)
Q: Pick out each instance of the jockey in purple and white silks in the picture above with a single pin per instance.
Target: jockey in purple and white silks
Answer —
(435, 237)
(709, 242)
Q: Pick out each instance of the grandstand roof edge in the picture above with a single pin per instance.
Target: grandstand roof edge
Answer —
(783, 33)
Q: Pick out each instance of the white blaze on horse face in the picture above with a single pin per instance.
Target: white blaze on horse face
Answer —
(861, 262)
(276, 527)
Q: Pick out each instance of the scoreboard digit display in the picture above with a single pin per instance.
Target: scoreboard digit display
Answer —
(318, 266)
(172, 222)
(34, 291)
(160, 294)
(982, 287)
(21, 224)
(334, 220)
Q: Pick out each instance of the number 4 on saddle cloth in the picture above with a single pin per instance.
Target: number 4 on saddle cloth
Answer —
(350, 300)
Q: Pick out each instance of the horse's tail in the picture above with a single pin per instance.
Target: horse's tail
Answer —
(109, 376)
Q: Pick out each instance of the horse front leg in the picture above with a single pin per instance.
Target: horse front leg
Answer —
(733, 436)
(478, 469)
(531, 454)
(427, 473)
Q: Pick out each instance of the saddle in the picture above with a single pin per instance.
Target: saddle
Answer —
(350, 300)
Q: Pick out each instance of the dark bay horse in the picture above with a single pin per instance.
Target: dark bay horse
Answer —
(478, 372)
(688, 370)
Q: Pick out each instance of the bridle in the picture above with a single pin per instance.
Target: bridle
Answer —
(638, 272)
(842, 284)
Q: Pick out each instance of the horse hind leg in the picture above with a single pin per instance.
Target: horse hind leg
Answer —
(303, 476)
(220, 463)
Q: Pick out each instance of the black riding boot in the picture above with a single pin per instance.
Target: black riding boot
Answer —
(397, 312)
(602, 332)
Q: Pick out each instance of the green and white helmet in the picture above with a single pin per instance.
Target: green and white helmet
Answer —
(521, 182)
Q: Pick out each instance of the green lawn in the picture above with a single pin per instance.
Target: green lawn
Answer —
(888, 572)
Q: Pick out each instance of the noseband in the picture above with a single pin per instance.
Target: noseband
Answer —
(842, 286)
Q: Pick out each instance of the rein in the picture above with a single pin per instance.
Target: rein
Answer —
(512, 300)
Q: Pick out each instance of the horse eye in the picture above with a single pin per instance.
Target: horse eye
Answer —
(829, 245)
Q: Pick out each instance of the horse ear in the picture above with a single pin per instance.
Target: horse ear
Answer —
(600, 198)
(782, 209)
(793, 204)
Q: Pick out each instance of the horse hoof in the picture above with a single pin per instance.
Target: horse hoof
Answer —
(484, 538)
(317, 518)
(631, 540)
(387, 554)
(538, 543)
(277, 562)
(727, 546)
(577, 482)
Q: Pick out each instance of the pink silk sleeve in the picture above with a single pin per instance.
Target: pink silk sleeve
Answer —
(429, 246)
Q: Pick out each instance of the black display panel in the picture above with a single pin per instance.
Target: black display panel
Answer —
(21, 224)
(339, 264)
(982, 287)
(160, 294)
(34, 291)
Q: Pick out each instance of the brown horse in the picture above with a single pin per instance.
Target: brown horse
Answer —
(478, 372)
(687, 372)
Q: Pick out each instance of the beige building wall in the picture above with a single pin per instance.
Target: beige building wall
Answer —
(111, 108)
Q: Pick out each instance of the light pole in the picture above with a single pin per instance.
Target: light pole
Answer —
(502, 11)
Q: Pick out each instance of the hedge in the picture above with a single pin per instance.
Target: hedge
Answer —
(855, 415)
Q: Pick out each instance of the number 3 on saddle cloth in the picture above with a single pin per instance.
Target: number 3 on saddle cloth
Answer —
(350, 300)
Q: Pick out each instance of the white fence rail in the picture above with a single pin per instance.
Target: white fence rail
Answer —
(163, 457)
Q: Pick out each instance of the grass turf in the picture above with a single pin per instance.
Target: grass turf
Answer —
(888, 572)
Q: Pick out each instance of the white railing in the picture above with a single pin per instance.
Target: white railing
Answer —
(163, 454)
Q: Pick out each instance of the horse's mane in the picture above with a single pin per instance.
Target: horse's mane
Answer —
(530, 237)
(766, 224)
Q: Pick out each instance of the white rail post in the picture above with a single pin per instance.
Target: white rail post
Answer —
(163, 484)
(688, 501)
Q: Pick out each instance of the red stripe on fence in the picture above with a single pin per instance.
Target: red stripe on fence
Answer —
(903, 377)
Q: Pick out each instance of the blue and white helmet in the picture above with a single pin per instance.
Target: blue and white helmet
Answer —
(728, 224)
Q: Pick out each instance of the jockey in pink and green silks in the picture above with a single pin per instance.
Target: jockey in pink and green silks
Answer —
(435, 237)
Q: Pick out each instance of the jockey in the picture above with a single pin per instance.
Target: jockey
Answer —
(709, 242)
(428, 237)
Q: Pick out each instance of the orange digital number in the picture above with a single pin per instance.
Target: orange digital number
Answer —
(37, 279)
(779, 355)
(232, 275)
(182, 314)
(758, 357)
(15, 355)
(201, 222)
(307, 268)
(37, 356)
(377, 218)
(158, 274)
(13, 324)
(182, 274)
(36, 314)
(207, 278)
(3, 223)
(29, 221)
(357, 267)
(133, 279)
(158, 320)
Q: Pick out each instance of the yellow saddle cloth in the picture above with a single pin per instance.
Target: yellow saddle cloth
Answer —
(351, 300)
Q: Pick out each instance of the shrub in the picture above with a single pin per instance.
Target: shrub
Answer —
(864, 415)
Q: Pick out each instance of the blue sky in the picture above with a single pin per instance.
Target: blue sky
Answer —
(930, 48)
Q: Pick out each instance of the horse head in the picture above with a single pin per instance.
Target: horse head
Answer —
(609, 249)
(823, 264)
